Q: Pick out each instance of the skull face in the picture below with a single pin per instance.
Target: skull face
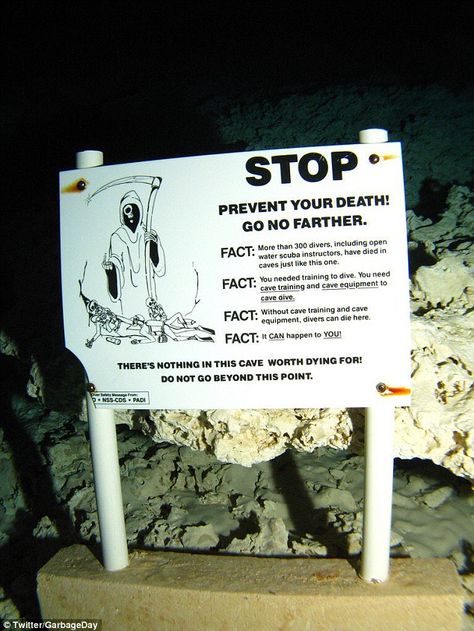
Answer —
(130, 211)
(131, 216)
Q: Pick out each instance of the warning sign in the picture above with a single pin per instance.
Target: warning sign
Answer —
(257, 279)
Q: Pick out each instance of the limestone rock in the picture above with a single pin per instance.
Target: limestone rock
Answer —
(7, 345)
(453, 231)
(200, 537)
(35, 385)
(439, 423)
(435, 126)
(437, 426)
(246, 436)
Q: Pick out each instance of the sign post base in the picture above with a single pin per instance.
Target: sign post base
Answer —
(199, 592)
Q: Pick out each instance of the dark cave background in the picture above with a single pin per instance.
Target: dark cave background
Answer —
(130, 82)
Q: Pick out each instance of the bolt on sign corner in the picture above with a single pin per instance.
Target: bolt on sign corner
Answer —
(264, 279)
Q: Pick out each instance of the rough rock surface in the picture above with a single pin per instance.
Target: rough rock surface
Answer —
(176, 498)
(439, 424)
(435, 125)
(246, 436)
(308, 500)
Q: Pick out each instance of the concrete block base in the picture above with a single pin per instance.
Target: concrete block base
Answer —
(171, 591)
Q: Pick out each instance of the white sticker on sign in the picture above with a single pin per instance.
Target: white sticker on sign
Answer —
(262, 279)
(120, 399)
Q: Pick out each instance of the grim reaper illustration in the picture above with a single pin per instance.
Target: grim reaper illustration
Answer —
(135, 256)
(134, 260)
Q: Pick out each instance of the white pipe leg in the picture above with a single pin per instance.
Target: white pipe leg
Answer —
(379, 429)
(108, 490)
(89, 158)
(105, 464)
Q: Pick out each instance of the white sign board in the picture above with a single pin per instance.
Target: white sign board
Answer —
(261, 279)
